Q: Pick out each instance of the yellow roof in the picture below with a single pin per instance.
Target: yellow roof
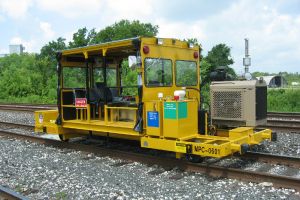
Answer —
(98, 48)
(123, 45)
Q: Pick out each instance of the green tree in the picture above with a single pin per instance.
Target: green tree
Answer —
(45, 65)
(82, 37)
(125, 29)
(218, 56)
(23, 79)
(257, 74)
(32, 78)
(50, 49)
(122, 30)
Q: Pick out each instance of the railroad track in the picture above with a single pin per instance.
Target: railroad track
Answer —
(274, 159)
(27, 107)
(8, 194)
(283, 125)
(284, 115)
(277, 121)
(286, 122)
(167, 163)
(17, 125)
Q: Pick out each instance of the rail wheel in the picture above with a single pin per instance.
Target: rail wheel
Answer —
(194, 158)
(61, 137)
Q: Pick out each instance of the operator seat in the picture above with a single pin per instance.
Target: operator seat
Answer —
(102, 90)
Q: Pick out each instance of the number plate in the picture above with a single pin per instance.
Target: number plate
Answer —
(208, 150)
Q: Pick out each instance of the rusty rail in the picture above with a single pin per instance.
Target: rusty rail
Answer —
(273, 159)
(8, 194)
(27, 107)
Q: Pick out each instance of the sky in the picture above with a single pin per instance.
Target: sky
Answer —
(272, 26)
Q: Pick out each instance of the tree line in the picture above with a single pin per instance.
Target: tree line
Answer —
(31, 77)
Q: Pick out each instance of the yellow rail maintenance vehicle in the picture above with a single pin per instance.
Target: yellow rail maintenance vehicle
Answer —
(161, 108)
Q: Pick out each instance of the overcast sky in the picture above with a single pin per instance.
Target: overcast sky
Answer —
(272, 26)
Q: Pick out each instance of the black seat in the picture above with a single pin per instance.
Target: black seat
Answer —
(94, 100)
(94, 95)
(103, 90)
(109, 95)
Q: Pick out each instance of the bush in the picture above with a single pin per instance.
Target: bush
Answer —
(284, 100)
(27, 79)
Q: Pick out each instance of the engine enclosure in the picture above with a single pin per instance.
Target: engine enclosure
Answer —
(239, 103)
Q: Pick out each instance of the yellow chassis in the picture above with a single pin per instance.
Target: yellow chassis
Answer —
(238, 141)
(225, 143)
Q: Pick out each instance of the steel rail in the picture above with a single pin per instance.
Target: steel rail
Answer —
(277, 121)
(27, 107)
(284, 122)
(211, 170)
(8, 194)
(263, 157)
(288, 115)
(276, 115)
(18, 125)
(273, 159)
(281, 128)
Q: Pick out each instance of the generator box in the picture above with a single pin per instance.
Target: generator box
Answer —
(239, 103)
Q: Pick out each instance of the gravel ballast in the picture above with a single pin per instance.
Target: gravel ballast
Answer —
(48, 173)
(17, 117)
(45, 173)
(286, 144)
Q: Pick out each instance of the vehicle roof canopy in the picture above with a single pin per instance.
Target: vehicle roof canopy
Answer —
(125, 45)
(116, 50)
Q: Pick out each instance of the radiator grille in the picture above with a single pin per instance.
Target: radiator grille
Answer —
(227, 104)
(261, 103)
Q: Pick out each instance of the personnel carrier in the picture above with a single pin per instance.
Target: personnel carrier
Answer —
(148, 89)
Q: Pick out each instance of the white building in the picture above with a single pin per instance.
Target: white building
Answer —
(16, 48)
(274, 81)
(3, 55)
(295, 84)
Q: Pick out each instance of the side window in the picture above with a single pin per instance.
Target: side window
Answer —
(110, 76)
(158, 72)
(186, 73)
(73, 77)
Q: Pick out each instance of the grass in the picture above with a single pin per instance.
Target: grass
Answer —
(284, 100)
(61, 196)
(279, 99)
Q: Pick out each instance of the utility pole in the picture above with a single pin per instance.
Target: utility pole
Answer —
(247, 60)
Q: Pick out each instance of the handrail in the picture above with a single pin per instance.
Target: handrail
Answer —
(124, 108)
(130, 86)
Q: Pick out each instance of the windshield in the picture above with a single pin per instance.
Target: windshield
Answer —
(158, 72)
(186, 73)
